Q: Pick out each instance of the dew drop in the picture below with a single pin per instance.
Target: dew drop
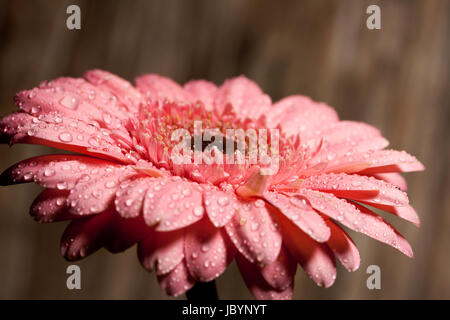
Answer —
(94, 142)
(255, 226)
(198, 211)
(28, 176)
(65, 137)
(97, 194)
(48, 172)
(259, 203)
(61, 185)
(69, 102)
(223, 201)
(35, 109)
(107, 118)
(356, 183)
(300, 202)
(110, 184)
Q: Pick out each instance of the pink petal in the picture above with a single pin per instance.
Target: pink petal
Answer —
(246, 98)
(129, 96)
(59, 171)
(358, 218)
(129, 199)
(358, 188)
(280, 273)
(300, 115)
(393, 178)
(64, 133)
(254, 233)
(50, 206)
(257, 285)
(345, 167)
(405, 212)
(72, 98)
(177, 281)
(300, 212)
(162, 250)
(173, 204)
(95, 195)
(85, 236)
(220, 206)
(158, 87)
(343, 247)
(202, 90)
(126, 233)
(382, 161)
(207, 251)
(347, 137)
(315, 258)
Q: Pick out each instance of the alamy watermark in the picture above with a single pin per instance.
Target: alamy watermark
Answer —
(73, 21)
(235, 146)
(74, 280)
(374, 19)
(374, 280)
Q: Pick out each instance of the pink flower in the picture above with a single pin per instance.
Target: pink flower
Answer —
(191, 220)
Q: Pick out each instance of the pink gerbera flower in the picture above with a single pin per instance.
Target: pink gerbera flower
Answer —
(191, 220)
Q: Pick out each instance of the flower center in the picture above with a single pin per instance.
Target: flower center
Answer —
(190, 141)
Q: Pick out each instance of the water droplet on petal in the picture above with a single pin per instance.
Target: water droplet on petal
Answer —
(356, 183)
(198, 211)
(97, 194)
(300, 202)
(35, 109)
(223, 201)
(69, 102)
(48, 172)
(94, 142)
(65, 137)
(107, 118)
(110, 184)
(61, 185)
(28, 176)
(259, 203)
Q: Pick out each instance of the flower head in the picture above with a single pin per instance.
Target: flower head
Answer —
(200, 175)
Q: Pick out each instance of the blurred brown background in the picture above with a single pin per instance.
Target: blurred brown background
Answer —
(396, 78)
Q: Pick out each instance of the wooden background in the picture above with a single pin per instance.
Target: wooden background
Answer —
(396, 78)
